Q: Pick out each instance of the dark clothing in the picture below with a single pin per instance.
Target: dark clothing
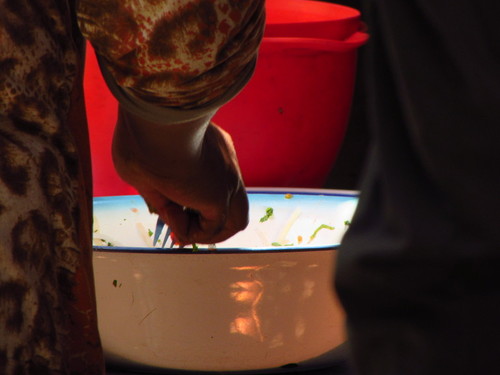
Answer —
(418, 270)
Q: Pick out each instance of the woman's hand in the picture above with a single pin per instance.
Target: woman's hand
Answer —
(187, 173)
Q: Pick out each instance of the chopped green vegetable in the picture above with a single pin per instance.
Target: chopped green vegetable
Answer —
(116, 285)
(347, 222)
(150, 232)
(322, 226)
(195, 248)
(278, 244)
(269, 213)
(104, 242)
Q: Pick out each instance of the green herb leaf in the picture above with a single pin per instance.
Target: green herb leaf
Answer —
(269, 213)
(150, 232)
(322, 226)
(278, 244)
(116, 285)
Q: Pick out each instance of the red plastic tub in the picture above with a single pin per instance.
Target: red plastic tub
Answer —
(288, 123)
(310, 19)
(102, 114)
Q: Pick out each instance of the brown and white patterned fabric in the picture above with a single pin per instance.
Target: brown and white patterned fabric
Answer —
(178, 53)
(184, 54)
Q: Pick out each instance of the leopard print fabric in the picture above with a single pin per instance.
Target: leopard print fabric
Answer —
(180, 53)
(40, 188)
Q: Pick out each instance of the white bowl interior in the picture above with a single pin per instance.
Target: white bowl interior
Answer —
(300, 219)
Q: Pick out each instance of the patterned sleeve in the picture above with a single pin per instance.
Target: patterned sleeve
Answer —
(181, 54)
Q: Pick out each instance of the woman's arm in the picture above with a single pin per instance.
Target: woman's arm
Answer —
(171, 65)
(184, 165)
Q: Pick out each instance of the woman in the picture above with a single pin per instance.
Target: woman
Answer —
(171, 64)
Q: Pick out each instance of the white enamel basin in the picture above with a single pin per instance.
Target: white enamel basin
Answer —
(260, 301)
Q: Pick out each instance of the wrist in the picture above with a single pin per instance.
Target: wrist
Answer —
(162, 149)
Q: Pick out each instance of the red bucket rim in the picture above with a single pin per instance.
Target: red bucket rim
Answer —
(289, 12)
